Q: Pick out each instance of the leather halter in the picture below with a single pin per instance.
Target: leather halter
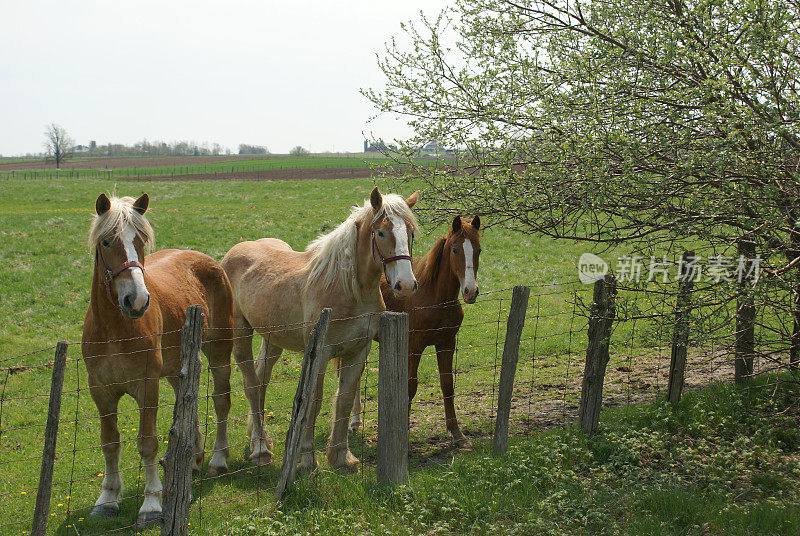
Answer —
(387, 260)
(109, 275)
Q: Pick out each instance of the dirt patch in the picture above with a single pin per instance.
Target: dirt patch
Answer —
(548, 396)
(16, 369)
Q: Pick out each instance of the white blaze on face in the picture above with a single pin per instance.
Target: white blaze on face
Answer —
(134, 285)
(468, 284)
(400, 271)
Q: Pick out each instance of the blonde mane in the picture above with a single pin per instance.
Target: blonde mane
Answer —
(334, 254)
(113, 223)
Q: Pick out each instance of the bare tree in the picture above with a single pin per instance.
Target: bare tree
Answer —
(57, 142)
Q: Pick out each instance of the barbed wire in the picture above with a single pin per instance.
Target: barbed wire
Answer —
(545, 394)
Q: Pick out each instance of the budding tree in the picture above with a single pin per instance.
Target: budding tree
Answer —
(610, 121)
(57, 143)
(648, 122)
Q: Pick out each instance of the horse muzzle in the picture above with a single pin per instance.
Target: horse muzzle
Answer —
(404, 290)
(470, 294)
(129, 309)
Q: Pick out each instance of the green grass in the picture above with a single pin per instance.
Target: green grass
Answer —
(46, 291)
(45, 282)
(650, 470)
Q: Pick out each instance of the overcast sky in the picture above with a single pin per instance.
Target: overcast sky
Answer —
(269, 73)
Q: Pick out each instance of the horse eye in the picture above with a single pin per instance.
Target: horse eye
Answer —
(105, 243)
(380, 233)
(455, 250)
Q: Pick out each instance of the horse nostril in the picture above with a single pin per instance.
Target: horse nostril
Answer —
(416, 286)
(146, 305)
(398, 286)
(477, 291)
(126, 301)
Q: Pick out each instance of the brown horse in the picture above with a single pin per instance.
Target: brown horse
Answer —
(132, 333)
(435, 313)
(275, 287)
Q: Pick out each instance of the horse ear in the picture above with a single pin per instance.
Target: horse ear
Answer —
(456, 224)
(102, 204)
(376, 199)
(412, 199)
(476, 222)
(141, 204)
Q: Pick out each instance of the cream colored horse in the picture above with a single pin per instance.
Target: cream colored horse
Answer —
(280, 293)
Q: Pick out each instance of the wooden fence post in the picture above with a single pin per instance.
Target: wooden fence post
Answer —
(303, 401)
(597, 352)
(508, 369)
(680, 332)
(794, 349)
(392, 463)
(182, 440)
(744, 341)
(42, 510)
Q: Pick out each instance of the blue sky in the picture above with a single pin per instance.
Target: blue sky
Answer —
(269, 73)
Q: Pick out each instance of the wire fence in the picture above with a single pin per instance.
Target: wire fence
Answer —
(454, 406)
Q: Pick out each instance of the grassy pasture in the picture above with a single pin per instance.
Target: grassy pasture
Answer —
(45, 291)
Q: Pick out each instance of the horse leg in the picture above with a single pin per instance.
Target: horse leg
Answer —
(107, 403)
(260, 443)
(339, 455)
(308, 459)
(355, 417)
(219, 360)
(268, 355)
(444, 357)
(147, 444)
(414, 355)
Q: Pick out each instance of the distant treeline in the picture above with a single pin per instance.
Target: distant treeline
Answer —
(162, 148)
(252, 149)
(155, 148)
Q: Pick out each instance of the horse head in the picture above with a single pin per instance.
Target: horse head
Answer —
(392, 237)
(120, 236)
(464, 247)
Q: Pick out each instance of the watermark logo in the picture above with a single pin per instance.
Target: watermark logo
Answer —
(635, 268)
(591, 268)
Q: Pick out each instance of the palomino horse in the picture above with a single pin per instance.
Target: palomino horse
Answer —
(275, 287)
(132, 335)
(435, 313)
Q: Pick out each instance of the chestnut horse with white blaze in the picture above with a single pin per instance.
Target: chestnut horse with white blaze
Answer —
(275, 287)
(132, 337)
(450, 268)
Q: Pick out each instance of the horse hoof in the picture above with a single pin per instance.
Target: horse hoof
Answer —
(105, 510)
(463, 443)
(348, 465)
(261, 459)
(148, 517)
(216, 470)
(308, 468)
